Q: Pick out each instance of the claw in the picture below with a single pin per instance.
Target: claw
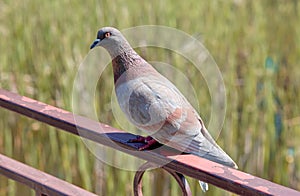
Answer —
(148, 142)
(138, 139)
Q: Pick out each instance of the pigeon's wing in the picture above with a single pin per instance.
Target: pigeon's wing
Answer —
(152, 102)
(156, 106)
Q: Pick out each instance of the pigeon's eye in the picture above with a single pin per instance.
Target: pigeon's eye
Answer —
(107, 34)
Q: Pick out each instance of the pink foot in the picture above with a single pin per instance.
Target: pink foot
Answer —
(148, 142)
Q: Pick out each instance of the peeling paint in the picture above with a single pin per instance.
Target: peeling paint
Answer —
(201, 162)
(240, 175)
(26, 99)
(241, 182)
(4, 97)
(52, 108)
(216, 169)
(41, 103)
(263, 189)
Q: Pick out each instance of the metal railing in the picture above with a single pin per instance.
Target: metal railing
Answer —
(42, 183)
(186, 164)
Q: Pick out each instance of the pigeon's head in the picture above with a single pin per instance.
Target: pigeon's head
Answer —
(112, 40)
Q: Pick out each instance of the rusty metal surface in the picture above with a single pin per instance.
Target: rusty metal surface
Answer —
(42, 183)
(226, 178)
(180, 179)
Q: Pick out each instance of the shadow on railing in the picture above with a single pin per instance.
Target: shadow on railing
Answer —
(221, 176)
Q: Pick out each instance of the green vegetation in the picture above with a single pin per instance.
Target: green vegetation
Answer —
(256, 45)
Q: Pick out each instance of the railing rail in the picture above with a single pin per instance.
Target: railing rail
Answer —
(42, 183)
(221, 176)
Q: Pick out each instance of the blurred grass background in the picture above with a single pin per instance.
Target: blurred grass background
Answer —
(255, 44)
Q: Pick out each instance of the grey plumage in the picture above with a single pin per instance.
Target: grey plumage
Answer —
(153, 104)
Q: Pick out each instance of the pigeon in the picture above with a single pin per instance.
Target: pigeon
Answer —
(154, 105)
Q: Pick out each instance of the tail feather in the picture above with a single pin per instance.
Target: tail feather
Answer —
(203, 185)
(202, 147)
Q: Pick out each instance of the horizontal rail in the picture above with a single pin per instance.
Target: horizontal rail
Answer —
(42, 183)
(221, 176)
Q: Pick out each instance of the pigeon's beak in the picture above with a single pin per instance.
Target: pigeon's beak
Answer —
(95, 43)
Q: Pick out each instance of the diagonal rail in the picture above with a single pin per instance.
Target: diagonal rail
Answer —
(221, 176)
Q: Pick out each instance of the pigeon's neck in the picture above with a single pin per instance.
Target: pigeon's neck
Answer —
(126, 61)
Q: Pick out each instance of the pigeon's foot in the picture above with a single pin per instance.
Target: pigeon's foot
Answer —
(148, 142)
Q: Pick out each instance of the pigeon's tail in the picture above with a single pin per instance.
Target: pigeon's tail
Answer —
(204, 186)
(204, 146)
(207, 148)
